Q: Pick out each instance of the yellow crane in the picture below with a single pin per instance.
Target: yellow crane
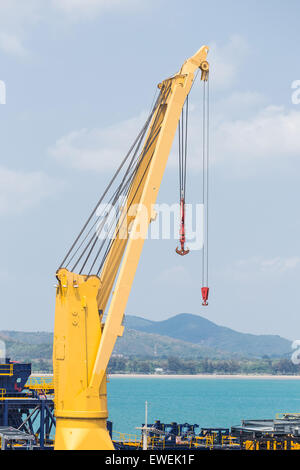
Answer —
(83, 341)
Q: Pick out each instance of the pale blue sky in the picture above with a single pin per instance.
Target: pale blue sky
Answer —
(79, 76)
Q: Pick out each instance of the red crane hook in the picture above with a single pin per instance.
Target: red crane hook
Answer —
(204, 291)
(182, 251)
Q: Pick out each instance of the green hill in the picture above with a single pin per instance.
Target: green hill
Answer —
(184, 336)
(198, 330)
(138, 343)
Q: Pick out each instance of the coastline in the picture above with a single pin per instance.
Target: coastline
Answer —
(205, 376)
(189, 376)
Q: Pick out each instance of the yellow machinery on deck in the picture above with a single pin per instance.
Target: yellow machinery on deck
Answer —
(83, 342)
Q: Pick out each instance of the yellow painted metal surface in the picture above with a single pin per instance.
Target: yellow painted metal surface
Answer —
(82, 345)
(80, 409)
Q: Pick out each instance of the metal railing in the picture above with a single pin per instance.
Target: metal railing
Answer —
(287, 416)
(230, 441)
(7, 369)
(207, 441)
(125, 438)
(41, 384)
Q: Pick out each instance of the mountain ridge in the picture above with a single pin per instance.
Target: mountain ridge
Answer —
(182, 335)
(196, 329)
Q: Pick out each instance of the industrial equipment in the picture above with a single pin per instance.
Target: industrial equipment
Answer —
(26, 409)
(96, 276)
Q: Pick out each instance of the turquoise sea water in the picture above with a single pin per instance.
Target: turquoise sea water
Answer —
(207, 402)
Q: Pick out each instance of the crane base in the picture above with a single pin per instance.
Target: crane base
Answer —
(82, 434)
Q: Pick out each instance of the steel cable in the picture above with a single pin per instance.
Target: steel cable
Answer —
(85, 243)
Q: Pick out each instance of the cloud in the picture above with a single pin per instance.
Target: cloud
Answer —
(226, 60)
(6, 276)
(245, 131)
(269, 139)
(79, 9)
(15, 13)
(175, 275)
(245, 134)
(250, 268)
(11, 44)
(17, 17)
(248, 134)
(239, 103)
(97, 149)
(279, 265)
(20, 191)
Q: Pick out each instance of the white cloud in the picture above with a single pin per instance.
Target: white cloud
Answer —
(264, 135)
(78, 9)
(17, 17)
(279, 265)
(225, 61)
(237, 104)
(250, 268)
(245, 131)
(20, 191)
(246, 136)
(97, 149)
(175, 275)
(11, 44)
(272, 133)
(15, 13)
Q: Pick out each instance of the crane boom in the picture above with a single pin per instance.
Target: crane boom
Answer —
(83, 343)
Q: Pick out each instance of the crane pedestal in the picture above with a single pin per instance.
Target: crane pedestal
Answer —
(82, 434)
(80, 407)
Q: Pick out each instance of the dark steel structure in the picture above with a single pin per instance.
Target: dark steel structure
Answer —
(23, 409)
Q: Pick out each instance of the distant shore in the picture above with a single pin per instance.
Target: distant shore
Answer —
(190, 376)
(206, 376)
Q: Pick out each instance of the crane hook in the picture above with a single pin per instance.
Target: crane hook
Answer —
(204, 291)
(182, 251)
